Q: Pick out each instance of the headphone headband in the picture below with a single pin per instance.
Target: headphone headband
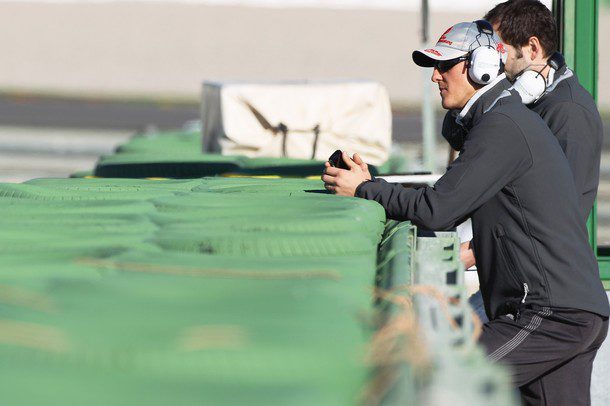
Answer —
(484, 27)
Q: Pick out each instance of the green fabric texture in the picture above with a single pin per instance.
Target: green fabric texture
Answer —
(169, 141)
(201, 291)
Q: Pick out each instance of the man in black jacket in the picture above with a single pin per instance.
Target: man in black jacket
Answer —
(528, 30)
(549, 88)
(539, 278)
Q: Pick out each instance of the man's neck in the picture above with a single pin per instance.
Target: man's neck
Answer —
(546, 69)
(477, 95)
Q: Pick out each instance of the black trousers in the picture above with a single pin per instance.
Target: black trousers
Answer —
(549, 351)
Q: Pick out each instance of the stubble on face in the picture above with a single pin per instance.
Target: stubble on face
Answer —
(515, 62)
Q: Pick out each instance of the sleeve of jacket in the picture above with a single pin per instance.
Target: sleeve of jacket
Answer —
(494, 154)
(580, 134)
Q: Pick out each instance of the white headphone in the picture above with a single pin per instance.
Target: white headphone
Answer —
(485, 62)
(531, 85)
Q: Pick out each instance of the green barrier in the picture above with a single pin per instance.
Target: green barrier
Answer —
(285, 167)
(256, 185)
(441, 274)
(396, 255)
(74, 208)
(70, 227)
(446, 320)
(166, 165)
(171, 141)
(82, 174)
(114, 185)
(25, 243)
(227, 291)
(263, 222)
(35, 192)
(268, 335)
(268, 317)
(393, 345)
(266, 244)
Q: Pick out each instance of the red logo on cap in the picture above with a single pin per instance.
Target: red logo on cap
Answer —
(433, 51)
(444, 39)
(500, 48)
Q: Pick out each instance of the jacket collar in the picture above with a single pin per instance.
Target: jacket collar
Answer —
(556, 77)
(483, 100)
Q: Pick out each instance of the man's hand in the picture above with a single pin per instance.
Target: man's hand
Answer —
(365, 168)
(344, 182)
(467, 255)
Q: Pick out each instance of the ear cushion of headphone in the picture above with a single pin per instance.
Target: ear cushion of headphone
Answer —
(530, 86)
(484, 65)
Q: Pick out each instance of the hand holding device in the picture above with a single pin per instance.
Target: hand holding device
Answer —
(336, 160)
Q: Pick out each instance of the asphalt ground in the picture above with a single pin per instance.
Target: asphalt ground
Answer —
(27, 111)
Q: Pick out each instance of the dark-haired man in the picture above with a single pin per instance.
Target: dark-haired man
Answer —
(538, 274)
(529, 31)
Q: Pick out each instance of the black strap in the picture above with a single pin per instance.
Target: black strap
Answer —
(283, 128)
(316, 132)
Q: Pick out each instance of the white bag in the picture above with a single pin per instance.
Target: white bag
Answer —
(297, 119)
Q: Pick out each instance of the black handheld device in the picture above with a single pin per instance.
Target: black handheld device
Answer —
(336, 160)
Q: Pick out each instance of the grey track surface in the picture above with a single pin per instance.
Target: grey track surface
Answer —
(93, 114)
(136, 116)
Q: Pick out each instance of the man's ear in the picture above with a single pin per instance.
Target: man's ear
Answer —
(472, 83)
(536, 50)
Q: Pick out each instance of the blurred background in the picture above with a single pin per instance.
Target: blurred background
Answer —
(79, 77)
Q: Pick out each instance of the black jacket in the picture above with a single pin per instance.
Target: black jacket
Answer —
(514, 182)
(571, 114)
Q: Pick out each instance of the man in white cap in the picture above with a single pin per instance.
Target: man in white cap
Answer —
(538, 275)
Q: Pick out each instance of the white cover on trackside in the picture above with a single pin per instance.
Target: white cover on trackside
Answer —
(242, 118)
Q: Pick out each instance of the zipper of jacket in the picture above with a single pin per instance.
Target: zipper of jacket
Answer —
(526, 290)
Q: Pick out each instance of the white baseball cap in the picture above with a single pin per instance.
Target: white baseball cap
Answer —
(459, 40)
